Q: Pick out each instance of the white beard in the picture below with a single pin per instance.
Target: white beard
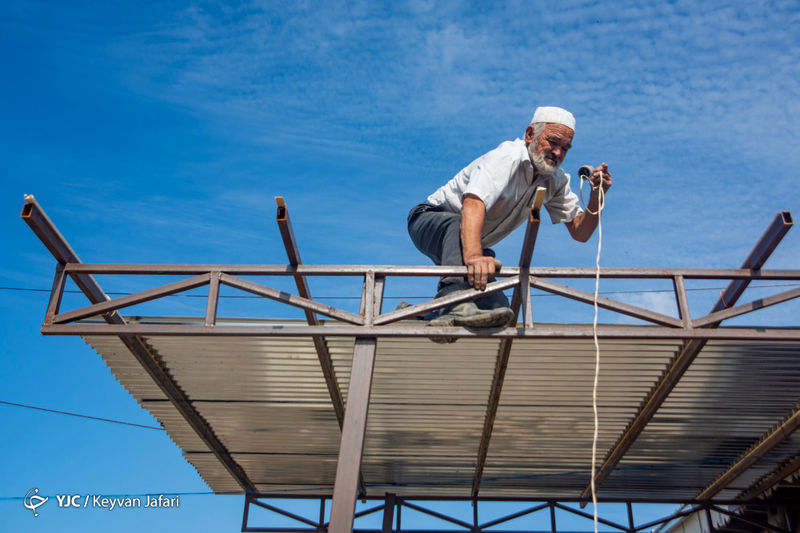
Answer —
(543, 166)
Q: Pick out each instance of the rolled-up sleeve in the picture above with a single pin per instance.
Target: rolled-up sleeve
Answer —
(563, 204)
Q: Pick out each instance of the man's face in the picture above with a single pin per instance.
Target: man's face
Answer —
(550, 148)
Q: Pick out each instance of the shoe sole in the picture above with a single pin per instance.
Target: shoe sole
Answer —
(489, 318)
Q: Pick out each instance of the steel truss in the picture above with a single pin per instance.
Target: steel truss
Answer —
(390, 509)
(371, 323)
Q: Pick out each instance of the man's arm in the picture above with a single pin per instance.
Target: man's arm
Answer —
(582, 226)
(479, 267)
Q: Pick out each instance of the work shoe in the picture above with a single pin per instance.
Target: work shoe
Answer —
(468, 314)
(498, 302)
(492, 300)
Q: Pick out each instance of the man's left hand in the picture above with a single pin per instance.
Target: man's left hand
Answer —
(601, 175)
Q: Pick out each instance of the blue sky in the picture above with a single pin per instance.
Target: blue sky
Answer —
(161, 133)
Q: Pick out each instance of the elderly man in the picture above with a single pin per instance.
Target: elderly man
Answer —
(490, 198)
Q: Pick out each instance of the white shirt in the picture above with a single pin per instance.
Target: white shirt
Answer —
(503, 180)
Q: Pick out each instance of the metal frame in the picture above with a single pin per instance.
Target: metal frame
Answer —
(755, 260)
(392, 505)
(102, 317)
(143, 352)
(380, 324)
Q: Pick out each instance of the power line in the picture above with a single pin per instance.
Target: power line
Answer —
(79, 415)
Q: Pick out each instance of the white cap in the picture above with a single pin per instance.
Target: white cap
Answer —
(554, 115)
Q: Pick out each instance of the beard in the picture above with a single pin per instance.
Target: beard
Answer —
(543, 165)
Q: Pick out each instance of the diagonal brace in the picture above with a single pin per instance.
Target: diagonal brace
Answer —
(132, 299)
(291, 299)
(605, 303)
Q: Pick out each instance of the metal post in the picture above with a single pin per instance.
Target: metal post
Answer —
(320, 345)
(246, 512)
(388, 512)
(399, 513)
(352, 443)
(56, 293)
(631, 523)
(213, 299)
(501, 363)
(683, 303)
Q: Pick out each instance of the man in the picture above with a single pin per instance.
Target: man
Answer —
(490, 198)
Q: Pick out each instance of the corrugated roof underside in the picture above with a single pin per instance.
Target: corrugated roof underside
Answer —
(731, 395)
(426, 415)
(542, 439)
(267, 402)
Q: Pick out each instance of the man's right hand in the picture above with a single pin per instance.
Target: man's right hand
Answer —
(479, 269)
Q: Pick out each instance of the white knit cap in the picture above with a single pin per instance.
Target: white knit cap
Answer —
(554, 115)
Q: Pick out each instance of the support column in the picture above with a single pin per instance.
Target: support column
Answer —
(388, 513)
(352, 444)
(522, 295)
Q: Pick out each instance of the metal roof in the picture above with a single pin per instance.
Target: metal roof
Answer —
(688, 411)
(266, 400)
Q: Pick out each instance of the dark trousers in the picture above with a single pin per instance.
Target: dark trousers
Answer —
(437, 234)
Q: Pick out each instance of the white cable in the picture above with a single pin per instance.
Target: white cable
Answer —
(601, 204)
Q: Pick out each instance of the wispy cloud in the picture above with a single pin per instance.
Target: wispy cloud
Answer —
(693, 106)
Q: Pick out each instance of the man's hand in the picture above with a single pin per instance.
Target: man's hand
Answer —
(480, 268)
(601, 175)
(583, 225)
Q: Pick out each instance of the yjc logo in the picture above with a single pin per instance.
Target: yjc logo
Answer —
(66, 500)
(34, 501)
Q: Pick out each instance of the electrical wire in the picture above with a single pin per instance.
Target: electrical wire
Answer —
(79, 415)
(254, 297)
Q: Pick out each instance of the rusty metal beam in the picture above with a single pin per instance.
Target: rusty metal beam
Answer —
(504, 350)
(771, 479)
(758, 256)
(429, 271)
(152, 363)
(581, 331)
(680, 363)
(768, 442)
(320, 345)
(761, 303)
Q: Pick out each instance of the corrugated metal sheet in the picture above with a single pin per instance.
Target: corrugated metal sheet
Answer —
(267, 401)
(426, 414)
(731, 395)
(542, 439)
